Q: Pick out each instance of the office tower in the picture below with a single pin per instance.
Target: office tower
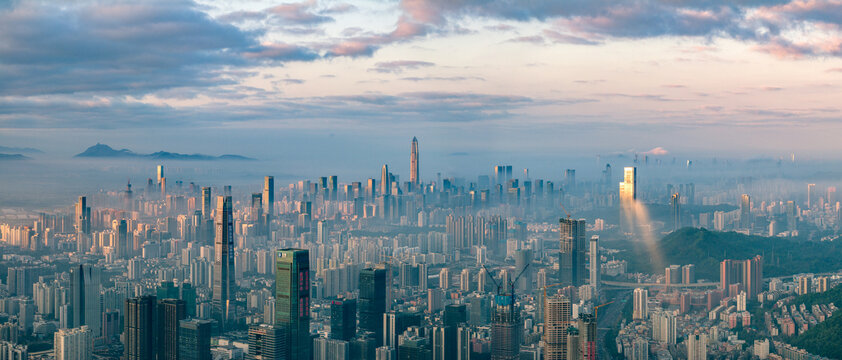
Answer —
(85, 284)
(628, 199)
(73, 344)
(697, 346)
(194, 339)
(120, 238)
(587, 337)
(811, 193)
(688, 274)
(83, 225)
(414, 174)
(594, 263)
(343, 319)
(523, 258)
(224, 286)
(506, 328)
(170, 313)
(641, 304)
(672, 275)
(269, 196)
(140, 323)
(331, 349)
(745, 212)
(385, 181)
(206, 202)
(675, 208)
(557, 317)
(386, 353)
(372, 301)
(26, 316)
(257, 212)
(753, 275)
(572, 252)
(569, 179)
(292, 300)
(160, 173)
(163, 184)
(268, 342)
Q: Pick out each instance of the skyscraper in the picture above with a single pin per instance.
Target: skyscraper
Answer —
(594, 264)
(811, 193)
(572, 252)
(194, 339)
(628, 199)
(372, 301)
(73, 344)
(83, 225)
(267, 342)
(697, 346)
(745, 212)
(385, 181)
(206, 202)
(121, 238)
(343, 319)
(269, 196)
(160, 173)
(587, 337)
(85, 284)
(506, 328)
(414, 174)
(675, 209)
(292, 300)
(641, 304)
(170, 313)
(557, 317)
(140, 329)
(224, 286)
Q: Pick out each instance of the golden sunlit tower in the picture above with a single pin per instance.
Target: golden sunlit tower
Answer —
(385, 181)
(160, 173)
(628, 196)
(414, 177)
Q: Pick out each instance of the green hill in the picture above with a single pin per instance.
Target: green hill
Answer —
(823, 339)
(706, 249)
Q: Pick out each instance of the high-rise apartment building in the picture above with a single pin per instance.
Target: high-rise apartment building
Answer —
(140, 320)
(557, 318)
(641, 304)
(73, 344)
(170, 314)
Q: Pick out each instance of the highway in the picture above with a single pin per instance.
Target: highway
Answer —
(609, 317)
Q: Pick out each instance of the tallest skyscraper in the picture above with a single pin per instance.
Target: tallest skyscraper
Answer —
(414, 177)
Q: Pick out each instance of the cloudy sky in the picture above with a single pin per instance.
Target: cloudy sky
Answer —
(313, 79)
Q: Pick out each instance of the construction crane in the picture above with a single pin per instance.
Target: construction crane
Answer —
(565, 210)
(510, 286)
(596, 309)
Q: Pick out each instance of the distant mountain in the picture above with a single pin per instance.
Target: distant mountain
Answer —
(22, 150)
(705, 249)
(4, 157)
(105, 151)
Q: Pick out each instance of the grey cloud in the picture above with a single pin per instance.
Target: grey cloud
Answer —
(399, 66)
(121, 48)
